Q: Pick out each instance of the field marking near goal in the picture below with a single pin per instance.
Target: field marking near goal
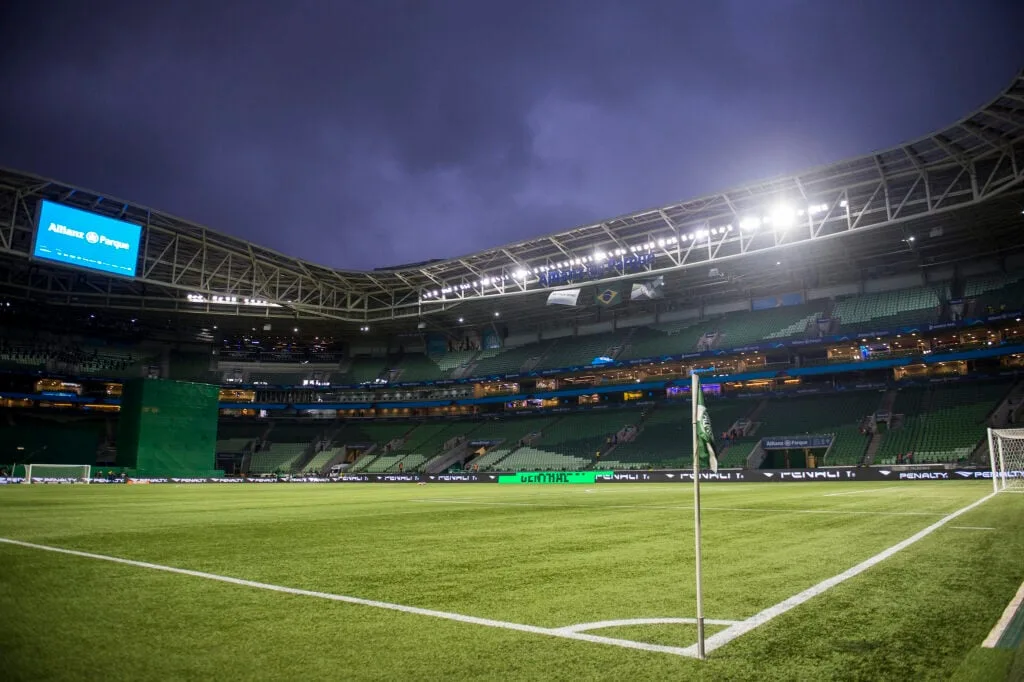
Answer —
(601, 624)
(568, 632)
(720, 639)
(1004, 621)
(441, 500)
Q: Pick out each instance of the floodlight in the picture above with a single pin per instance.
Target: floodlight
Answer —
(783, 217)
(522, 274)
(750, 223)
(844, 203)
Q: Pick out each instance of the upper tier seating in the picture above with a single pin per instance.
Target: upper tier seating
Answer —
(993, 293)
(363, 370)
(508, 361)
(581, 350)
(888, 309)
(417, 367)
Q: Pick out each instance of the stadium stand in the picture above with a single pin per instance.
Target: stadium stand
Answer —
(416, 367)
(993, 293)
(840, 414)
(570, 442)
(363, 370)
(742, 328)
(284, 447)
(888, 309)
(321, 460)
(649, 342)
(581, 350)
(506, 361)
(504, 436)
(453, 361)
(942, 423)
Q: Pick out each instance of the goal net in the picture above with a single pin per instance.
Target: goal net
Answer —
(1006, 454)
(57, 473)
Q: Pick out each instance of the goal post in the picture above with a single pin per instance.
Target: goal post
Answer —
(1006, 457)
(58, 473)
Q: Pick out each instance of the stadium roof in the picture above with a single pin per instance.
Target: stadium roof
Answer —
(950, 195)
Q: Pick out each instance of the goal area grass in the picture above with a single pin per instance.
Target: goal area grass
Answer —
(448, 581)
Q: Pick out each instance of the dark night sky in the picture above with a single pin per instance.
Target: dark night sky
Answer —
(368, 133)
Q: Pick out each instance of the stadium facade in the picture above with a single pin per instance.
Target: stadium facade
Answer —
(879, 299)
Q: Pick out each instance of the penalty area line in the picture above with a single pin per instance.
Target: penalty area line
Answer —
(720, 639)
(562, 633)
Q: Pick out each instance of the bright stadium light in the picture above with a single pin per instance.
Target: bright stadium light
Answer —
(522, 274)
(783, 217)
(750, 223)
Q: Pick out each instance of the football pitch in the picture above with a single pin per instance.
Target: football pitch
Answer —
(802, 581)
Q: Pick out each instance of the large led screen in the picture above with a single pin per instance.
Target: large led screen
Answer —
(75, 237)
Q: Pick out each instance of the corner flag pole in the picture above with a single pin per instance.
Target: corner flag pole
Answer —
(694, 393)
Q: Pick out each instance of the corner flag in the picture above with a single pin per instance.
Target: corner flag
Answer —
(705, 443)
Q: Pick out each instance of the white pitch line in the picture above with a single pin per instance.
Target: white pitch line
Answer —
(971, 528)
(682, 507)
(458, 617)
(722, 638)
(601, 624)
(870, 490)
(1004, 621)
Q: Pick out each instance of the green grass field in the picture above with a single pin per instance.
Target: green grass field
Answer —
(549, 557)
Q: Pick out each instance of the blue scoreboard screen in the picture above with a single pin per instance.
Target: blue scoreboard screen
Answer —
(75, 237)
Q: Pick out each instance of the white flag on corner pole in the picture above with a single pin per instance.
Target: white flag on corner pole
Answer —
(705, 433)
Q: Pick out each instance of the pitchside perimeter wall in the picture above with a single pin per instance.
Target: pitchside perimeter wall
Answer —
(168, 428)
(679, 476)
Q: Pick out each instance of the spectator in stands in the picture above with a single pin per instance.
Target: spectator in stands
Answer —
(401, 467)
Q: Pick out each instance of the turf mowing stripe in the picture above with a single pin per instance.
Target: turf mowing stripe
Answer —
(1012, 609)
(458, 617)
(722, 638)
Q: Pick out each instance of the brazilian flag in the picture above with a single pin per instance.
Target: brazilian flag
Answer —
(609, 296)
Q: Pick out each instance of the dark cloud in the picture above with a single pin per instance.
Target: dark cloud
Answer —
(362, 134)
